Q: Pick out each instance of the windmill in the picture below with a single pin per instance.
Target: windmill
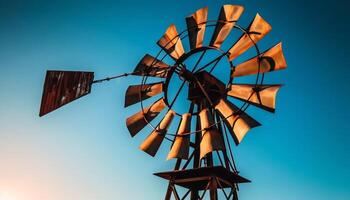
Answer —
(201, 142)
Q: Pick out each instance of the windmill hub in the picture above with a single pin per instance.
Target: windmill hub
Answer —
(204, 85)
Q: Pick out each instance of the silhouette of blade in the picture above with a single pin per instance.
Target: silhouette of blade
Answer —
(136, 93)
(262, 96)
(150, 66)
(229, 14)
(196, 27)
(138, 121)
(63, 87)
(270, 60)
(238, 122)
(181, 145)
(155, 139)
(211, 138)
(256, 31)
(171, 43)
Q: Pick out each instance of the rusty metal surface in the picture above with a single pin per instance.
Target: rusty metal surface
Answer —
(196, 27)
(136, 93)
(198, 178)
(63, 87)
(256, 31)
(228, 14)
(271, 60)
(155, 139)
(150, 66)
(211, 137)
(238, 123)
(138, 121)
(171, 43)
(263, 96)
(181, 145)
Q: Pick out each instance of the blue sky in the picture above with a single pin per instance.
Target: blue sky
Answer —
(84, 151)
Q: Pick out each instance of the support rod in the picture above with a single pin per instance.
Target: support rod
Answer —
(113, 77)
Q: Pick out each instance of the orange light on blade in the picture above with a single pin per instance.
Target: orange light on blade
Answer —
(171, 43)
(136, 93)
(155, 139)
(211, 137)
(271, 60)
(150, 66)
(196, 27)
(229, 14)
(238, 123)
(181, 145)
(138, 121)
(256, 31)
(63, 87)
(262, 96)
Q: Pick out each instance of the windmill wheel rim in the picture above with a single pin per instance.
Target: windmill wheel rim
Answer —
(242, 108)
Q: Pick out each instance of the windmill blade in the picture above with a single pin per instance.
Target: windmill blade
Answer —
(181, 145)
(262, 96)
(151, 66)
(136, 93)
(196, 27)
(229, 14)
(211, 138)
(238, 122)
(138, 121)
(271, 60)
(155, 139)
(63, 87)
(171, 43)
(255, 32)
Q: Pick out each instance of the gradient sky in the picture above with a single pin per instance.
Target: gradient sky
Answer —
(84, 151)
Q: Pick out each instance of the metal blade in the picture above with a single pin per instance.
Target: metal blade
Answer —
(171, 43)
(181, 146)
(136, 93)
(155, 139)
(238, 122)
(256, 31)
(63, 87)
(151, 66)
(270, 60)
(196, 27)
(138, 121)
(229, 14)
(262, 96)
(211, 137)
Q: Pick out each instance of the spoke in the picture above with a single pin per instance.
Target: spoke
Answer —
(217, 62)
(211, 62)
(198, 61)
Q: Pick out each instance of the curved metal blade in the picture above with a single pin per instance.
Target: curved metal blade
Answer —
(238, 122)
(181, 146)
(151, 66)
(271, 60)
(211, 137)
(263, 96)
(256, 31)
(138, 121)
(171, 43)
(196, 27)
(155, 139)
(229, 14)
(63, 87)
(136, 93)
